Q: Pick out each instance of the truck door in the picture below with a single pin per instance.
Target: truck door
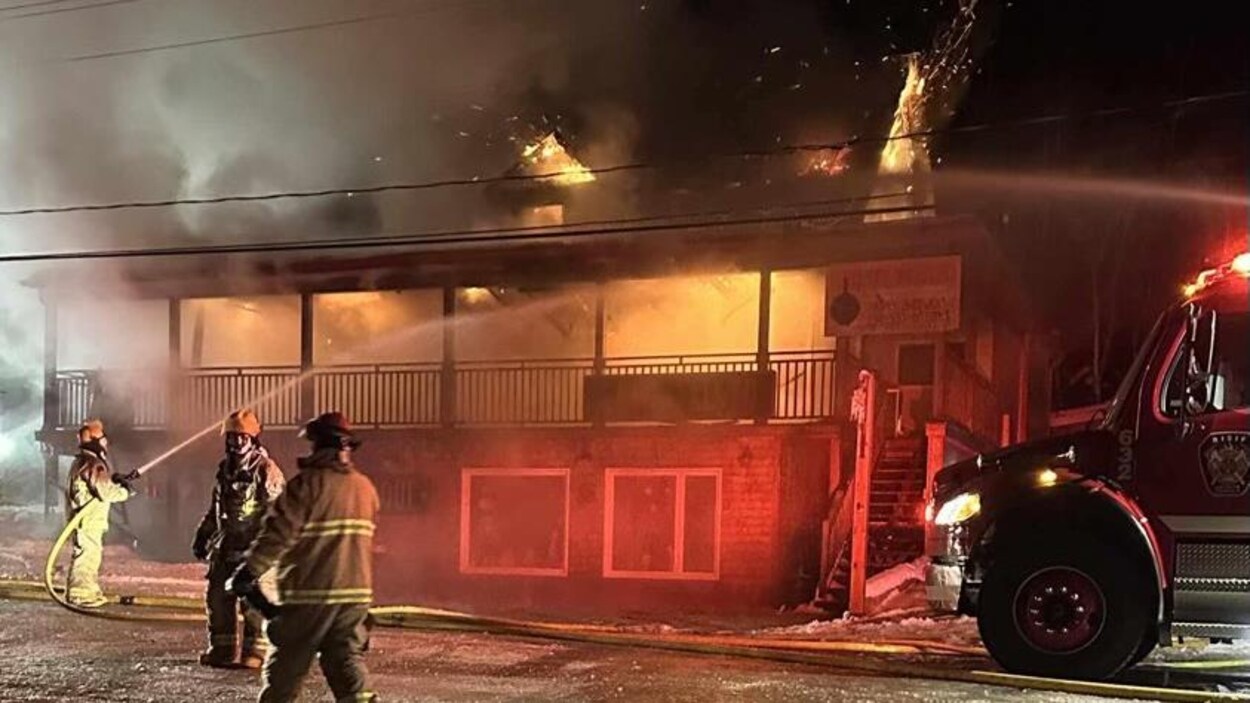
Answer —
(1194, 463)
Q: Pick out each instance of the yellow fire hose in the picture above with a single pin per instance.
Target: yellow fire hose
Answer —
(834, 654)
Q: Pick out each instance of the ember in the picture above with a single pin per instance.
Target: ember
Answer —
(827, 162)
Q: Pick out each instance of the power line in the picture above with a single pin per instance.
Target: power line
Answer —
(60, 10)
(783, 150)
(41, 3)
(468, 236)
(263, 33)
(235, 37)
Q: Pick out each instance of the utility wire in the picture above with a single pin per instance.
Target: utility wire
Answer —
(236, 37)
(474, 181)
(41, 3)
(422, 9)
(468, 236)
(59, 10)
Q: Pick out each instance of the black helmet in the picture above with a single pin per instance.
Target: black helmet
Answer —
(330, 430)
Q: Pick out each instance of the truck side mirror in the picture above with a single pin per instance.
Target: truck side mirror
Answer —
(1199, 360)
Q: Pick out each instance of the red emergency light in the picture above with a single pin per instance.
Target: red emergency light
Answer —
(1239, 266)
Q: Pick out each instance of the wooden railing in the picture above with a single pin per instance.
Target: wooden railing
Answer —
(521, 392)
(531, 392)
(202, 396)
(382, 396)
(966, 397)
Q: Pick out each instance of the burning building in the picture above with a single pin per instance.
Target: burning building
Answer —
(618, 421)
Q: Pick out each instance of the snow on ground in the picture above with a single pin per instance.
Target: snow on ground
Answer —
(949, 630)
(25, 538)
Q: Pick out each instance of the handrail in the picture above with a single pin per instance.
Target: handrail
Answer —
(969, 399)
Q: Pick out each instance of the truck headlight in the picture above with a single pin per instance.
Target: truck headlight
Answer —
(961, 508)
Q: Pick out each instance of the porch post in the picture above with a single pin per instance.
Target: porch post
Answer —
(939, 379)
(51, 407)
(764, 408)
(600, 362)
(447, 386)
(864, 450)
(173, 498)
(935, 434)
(307, 388)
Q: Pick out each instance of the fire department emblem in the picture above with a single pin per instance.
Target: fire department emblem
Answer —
(1226, 463)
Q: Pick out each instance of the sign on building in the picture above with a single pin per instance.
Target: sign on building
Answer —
(904, 296)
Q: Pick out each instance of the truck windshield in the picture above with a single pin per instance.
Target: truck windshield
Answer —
(1130, 381)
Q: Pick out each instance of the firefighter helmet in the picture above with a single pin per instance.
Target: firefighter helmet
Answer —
(90, 430)
(331, 429)
(242, 422)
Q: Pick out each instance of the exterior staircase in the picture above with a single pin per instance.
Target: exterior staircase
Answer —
(895, 520)
(896, 504)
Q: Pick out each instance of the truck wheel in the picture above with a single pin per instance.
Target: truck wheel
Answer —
(1064, 608)
(1148, 644)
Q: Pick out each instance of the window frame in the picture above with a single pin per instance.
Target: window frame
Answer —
(679, 476)
(1173, 363)
(466, 517)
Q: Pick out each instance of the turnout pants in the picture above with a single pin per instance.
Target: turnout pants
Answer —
(84, 565)
(302, 632)
(223, 617)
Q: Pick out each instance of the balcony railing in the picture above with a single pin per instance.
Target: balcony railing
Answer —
(496, 393)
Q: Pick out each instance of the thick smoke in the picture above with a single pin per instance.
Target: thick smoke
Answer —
(443, 90)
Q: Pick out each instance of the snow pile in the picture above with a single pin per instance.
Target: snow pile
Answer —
(950, 630)
(895, 578)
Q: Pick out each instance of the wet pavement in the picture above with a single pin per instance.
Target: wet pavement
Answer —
(52, 655)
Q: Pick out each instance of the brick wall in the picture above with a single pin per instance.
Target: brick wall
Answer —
(771, 481)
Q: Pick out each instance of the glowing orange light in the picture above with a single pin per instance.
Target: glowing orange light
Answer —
(1242, 264)
(548, 155)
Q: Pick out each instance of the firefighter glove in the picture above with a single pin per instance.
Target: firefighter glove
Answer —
(199, 548)
(246, 585)
(126, 480)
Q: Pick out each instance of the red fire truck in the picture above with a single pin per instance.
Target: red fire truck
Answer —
(1079, 554)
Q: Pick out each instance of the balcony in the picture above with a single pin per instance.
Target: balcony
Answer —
(795, 387)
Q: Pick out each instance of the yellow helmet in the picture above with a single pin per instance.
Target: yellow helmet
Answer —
(242, 422)
(91, 429)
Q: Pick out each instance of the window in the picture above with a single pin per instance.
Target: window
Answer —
(514, 521)
(1230, 364)
(662, 524)
(915, 365)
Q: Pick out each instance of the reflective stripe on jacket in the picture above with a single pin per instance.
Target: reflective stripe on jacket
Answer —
(319, 534)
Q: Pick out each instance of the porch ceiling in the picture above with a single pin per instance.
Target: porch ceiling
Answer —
(543, 260)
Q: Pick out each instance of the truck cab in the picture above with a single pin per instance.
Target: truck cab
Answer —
(1079, 554)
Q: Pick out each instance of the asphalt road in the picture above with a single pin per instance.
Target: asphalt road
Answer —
(52, 655)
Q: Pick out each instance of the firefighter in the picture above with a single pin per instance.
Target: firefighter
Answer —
(248, 481)
(93, 488)
(319, 536)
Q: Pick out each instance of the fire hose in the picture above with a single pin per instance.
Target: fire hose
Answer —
(838, 655)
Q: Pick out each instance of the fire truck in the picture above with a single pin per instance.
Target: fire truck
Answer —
(1079, 554)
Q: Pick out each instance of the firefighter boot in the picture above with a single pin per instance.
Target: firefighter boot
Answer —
(255, 644)
(223, 620)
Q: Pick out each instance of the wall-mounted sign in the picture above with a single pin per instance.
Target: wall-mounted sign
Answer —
(904, 296)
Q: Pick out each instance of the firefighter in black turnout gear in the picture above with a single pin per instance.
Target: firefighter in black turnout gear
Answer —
(248, 480)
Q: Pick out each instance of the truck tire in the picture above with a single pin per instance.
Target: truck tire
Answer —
(1064, 607)
(1148, 644)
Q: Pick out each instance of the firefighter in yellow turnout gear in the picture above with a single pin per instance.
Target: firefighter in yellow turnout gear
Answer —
(93, 488)
(319, 536)
(248, 481)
